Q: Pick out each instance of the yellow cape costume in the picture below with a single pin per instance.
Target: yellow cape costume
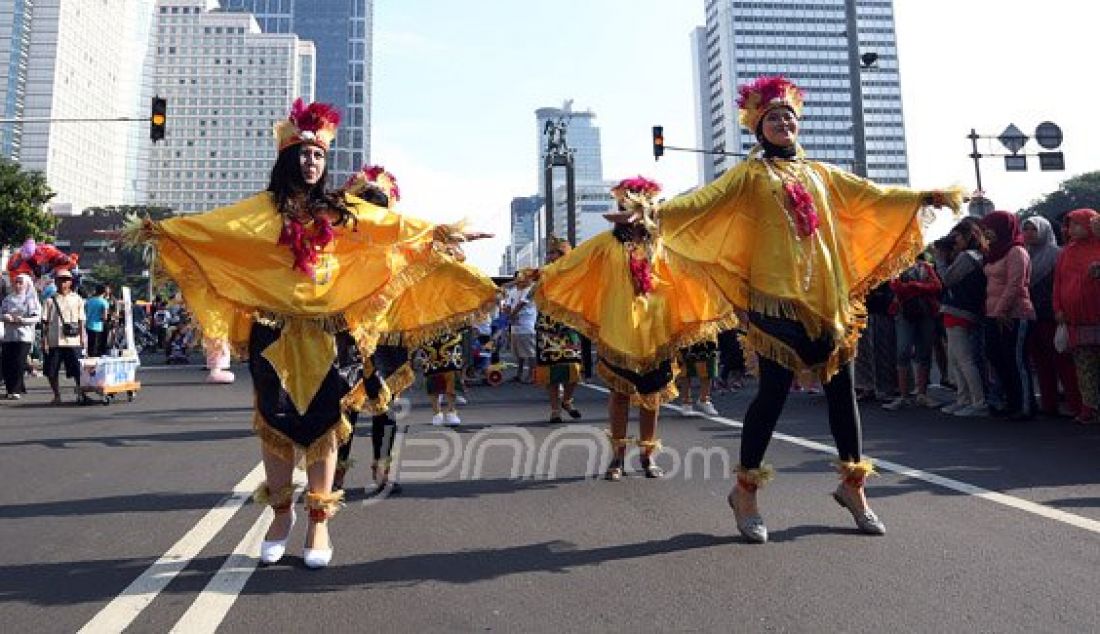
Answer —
(590, 290)
(739, 231)
(233, 272)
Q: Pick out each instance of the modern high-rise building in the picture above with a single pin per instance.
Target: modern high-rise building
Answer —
(582, 136)
(226, 84)
(86, 61)
(342, 31)
(806, 41)
(15, 44)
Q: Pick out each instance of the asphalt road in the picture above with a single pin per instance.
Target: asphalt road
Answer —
(107, 522)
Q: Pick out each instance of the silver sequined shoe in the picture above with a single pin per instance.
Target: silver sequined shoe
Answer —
(855, 474)
(751, 527)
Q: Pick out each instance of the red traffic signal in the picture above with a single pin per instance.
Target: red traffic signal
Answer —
(658, 142)
(158, 118)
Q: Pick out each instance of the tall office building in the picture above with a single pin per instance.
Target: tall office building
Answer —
(226, 84)
(342, 31)
(807, 41)
(85, 61)
(15, 43)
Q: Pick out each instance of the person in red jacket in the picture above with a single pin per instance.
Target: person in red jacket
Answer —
(916, 304)
(1077, 305)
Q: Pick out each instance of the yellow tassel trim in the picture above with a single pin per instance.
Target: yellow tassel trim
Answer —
(758, 476)
(759, 342)
(401, 380)
(357, 400)
(619, 442)
(232, 319)
(856, 470)
(689, 335)
(650, 446)
(651, 401)
(264, 495)
(330, 503)
(278, 443)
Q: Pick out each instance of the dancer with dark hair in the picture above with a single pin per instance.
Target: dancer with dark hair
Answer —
(304, 282)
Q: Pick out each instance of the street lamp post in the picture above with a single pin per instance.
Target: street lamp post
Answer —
(855, 82)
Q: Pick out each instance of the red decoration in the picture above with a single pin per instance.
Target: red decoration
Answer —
(641, 272)
(802, 209)
(313, 117)
(305, 245)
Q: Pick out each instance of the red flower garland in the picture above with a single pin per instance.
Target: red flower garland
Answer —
(802, 208)
(641, 272)
(305, 246)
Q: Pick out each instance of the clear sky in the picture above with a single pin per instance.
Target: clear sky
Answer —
(456, 85)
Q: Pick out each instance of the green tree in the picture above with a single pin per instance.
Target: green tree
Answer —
(1080, 191)
(108, 274)
(23, 198)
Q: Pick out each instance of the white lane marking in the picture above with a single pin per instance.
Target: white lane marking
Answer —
(955, 485)
(214, 602)
(123, 609)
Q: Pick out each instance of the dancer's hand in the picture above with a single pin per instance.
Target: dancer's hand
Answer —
(470, 236)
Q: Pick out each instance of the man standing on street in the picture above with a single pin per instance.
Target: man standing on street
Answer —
(64, 338)
(522, 314)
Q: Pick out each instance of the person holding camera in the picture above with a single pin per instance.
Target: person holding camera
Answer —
(64, 339)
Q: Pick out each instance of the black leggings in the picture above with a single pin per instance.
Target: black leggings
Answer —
(763, 413)
(383, 432)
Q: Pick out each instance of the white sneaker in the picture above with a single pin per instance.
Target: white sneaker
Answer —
(687, 409)
(437, 419)
(973, 411)
(951, 408)
(923, 400)
(460, 399)
(451, 419)
(708, 408)
(900, 402)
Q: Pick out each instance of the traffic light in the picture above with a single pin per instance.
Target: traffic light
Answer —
(158, 118)
(658, 142)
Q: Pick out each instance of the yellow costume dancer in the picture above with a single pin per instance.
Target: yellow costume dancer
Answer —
(639, 303)
(797, 245)
(303, 282)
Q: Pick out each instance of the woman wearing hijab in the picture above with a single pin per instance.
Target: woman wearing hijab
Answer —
(1077, 304)
(1051, 366)
(797, 245)
(20, 311)
(1009, 312)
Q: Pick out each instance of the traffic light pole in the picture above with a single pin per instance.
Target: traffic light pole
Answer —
(66, 120)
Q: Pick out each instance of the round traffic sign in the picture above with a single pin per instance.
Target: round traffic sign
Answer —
(1048, 135)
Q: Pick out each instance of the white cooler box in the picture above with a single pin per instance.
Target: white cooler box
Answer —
(108, 371)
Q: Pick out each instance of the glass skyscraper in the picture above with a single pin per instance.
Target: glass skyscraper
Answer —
(15, 43)
(342, 32)
(807, 41)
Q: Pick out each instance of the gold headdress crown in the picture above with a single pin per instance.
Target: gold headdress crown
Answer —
(377, 177)
(314, 124)
(757, 98)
